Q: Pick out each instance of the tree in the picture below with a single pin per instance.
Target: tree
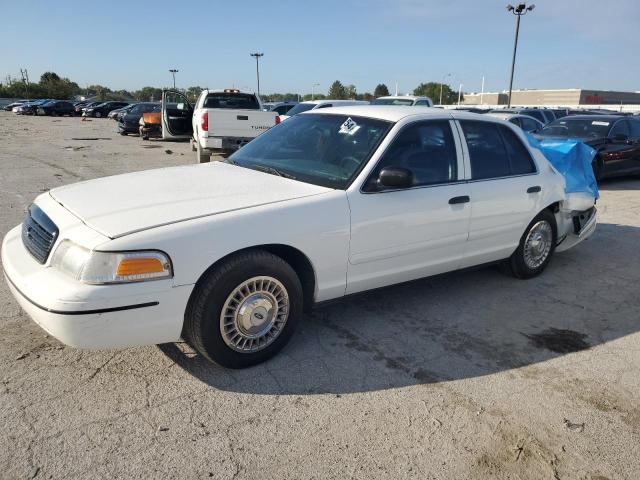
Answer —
(148, 94)
(432, 90)
(47, 77)
(351, 91)
(193, 93)
(337, 91)
(381, 90)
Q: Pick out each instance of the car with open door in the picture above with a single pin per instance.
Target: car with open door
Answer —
(227, 255)
(616, 139)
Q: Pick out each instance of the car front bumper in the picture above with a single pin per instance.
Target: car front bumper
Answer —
(93, 316)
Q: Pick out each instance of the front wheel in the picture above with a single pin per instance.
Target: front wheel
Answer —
(536, 247)
(244, 311)
(98, 114)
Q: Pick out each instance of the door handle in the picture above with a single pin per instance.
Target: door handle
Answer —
(462, 199)
(535, 189)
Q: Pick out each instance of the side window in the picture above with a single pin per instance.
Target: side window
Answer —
(620, 127)
(528, 124)
(487, 152)
(422, 102)
(427, 149)
(519, 157)
(635, 128)
(324, 105)
(515, 121)
(537, 114)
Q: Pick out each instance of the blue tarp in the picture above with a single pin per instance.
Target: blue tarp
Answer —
(572, 159)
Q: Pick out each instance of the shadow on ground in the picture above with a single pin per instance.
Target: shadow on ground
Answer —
(454, 326)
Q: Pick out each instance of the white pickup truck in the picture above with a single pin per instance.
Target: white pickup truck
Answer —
(221, 121)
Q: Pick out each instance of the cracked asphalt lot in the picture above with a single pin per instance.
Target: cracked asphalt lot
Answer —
(467, 375)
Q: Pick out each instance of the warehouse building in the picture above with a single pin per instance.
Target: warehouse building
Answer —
(569, 96)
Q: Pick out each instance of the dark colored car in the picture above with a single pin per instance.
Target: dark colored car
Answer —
(56, 108)
(30, 108)
(103, 109)
(80, 106)
(561, 112)
(616, 139)
(129, 122)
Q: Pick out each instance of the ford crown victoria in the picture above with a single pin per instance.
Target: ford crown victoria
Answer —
(228, 255)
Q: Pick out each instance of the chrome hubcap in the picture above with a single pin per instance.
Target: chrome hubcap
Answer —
(254, 314)
(537, 245)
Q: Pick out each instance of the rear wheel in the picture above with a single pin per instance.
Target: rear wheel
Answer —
(536, 247)
(98, 114)
(244, 311)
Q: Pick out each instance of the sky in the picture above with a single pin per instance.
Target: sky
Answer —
(131, 44)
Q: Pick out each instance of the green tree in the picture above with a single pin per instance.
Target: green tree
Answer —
(351, 91)
(337, 91)
(193, 93)
(148, 94)
(381, 90)
(432, 90)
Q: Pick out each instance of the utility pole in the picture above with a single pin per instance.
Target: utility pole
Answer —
(257, 55)
(312, 89)
(441, 85)
(519, 10)
(173, 73)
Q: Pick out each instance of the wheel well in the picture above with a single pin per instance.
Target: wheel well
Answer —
(294, 257)
(554, 207)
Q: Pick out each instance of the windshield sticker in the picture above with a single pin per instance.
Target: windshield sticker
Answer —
(602, 124)
(349, 127)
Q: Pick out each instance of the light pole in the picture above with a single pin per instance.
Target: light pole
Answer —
(312, 89)
(519, 10)
(173, 73)
(459, 93)
(257, 55)
(441, 85)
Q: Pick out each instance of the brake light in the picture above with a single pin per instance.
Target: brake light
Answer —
(204, 122)
(277, 119)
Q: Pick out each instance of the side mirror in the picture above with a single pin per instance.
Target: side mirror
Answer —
(395, 177)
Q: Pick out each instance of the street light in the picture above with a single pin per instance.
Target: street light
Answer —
(441, 85)
(519, 10)
(173, 72)
(312, 89)
(257, 55)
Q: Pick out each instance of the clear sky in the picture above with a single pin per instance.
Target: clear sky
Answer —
(130, 44)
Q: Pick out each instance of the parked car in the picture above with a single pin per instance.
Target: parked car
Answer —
(221, 121)
(13, 105)
(616, 138)
(30, 108)
(407, 100)
(543, 115)
(281, 108)
(80, 106)
(316, 104)
(103, 109)
(228, 254)
(525, 122)
(560, 112)
(56, 108)
(115, 114)
(473, 109)
(129, 121)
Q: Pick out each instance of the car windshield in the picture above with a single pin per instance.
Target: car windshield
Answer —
(240, 101)
(392, 101)
(325, 150)
(301, 107)
(577, 128)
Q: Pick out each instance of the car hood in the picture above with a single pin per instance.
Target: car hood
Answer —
(123, 204)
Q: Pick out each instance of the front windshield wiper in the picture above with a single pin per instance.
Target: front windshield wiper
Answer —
(273, 171)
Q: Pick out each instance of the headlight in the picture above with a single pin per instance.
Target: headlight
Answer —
(98, 268)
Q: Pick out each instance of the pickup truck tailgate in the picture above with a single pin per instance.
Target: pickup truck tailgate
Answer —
(239, 123)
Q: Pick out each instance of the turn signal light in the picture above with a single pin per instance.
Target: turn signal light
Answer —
(139, 266)
(205, 122)
(277, 119)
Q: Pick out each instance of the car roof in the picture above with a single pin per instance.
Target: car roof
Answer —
(401, 97)
(336, 101)
(508, 116)
(395, 113)
(610, 118)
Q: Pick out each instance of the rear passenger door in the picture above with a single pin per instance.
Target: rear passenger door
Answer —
(504, 190)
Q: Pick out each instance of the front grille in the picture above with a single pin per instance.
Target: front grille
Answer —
(39, 233)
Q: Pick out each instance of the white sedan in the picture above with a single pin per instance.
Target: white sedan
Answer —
(227, 255)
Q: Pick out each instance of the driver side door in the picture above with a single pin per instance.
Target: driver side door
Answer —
(176, 115)
(406, 233)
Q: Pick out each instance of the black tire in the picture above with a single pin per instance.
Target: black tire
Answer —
(517, 263)
(202, 317)
(98, 114)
